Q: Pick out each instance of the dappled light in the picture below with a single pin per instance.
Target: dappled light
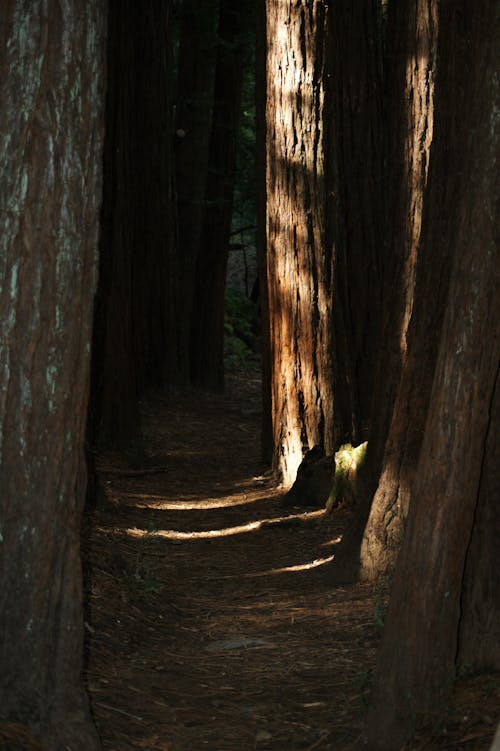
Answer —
(196, 502)
(251, 526)
(298, 567)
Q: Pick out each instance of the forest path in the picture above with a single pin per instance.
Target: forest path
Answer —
(212, 622)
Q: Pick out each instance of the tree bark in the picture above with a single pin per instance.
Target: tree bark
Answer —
(441, 593)
(155, 255)
(135, 324)
(419, 279)
(355, 226)
(114, 415)
(51, 103)
(207, 317)
(266, 438)
(299, 266)
(193, 123)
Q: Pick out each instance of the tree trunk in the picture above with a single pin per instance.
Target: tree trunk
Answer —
(207, 324)
(135, 321)
(441, 593)
(50, 137)
(267, 442)
(419, 279)
(114, 416)
(193, 123)
(155, 262)
(355, 158)
(479, 635)
(299, 266)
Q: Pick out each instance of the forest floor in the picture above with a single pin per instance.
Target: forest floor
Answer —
(212, 622)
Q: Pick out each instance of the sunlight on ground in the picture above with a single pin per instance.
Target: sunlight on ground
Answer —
(333, 541)
(155, 502)
(300, 567)
(173, 534)
(247, 495)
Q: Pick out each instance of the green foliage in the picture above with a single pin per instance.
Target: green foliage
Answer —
(241, 325)
(348, 461)
(140, 578)
(382, 589)
(365, 686)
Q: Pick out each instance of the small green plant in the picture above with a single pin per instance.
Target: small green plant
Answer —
(348, 461)
(462, 670)
(382, 589)
(140, 579)
(365, 686)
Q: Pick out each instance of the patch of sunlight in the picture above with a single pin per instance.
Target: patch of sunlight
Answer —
(174, 534)
(145, 500)
(333, 541)
(300, 567)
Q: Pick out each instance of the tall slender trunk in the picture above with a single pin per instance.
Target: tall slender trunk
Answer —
(193, 123)
(299, 265)
(207, 317)
(355, 214)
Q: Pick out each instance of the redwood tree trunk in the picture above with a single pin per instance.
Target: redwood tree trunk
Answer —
(114, 416)
(155, 261)
(207, 317)
(267, 438)
(441, 598)
(299, 265)
(51, 102)
(419, 279)
(193, 123)
(355, 213)
(135, 323)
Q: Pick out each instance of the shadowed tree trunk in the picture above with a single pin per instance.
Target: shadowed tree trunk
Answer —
(155, 262)
(51, 103)
(135, 322)
(355, 158)
(410, 61)
(267, 443)
(193, 123)
(114, 414)
(299, 265)
(442, 601)
(419, 280)
(207, 326)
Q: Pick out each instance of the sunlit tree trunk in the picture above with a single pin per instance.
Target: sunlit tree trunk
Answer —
(442, 600)
(193, 124)
(51, 129)
(299, 265)
(207, 317)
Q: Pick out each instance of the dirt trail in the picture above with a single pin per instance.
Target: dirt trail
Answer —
(208, 629)
(213, 623)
